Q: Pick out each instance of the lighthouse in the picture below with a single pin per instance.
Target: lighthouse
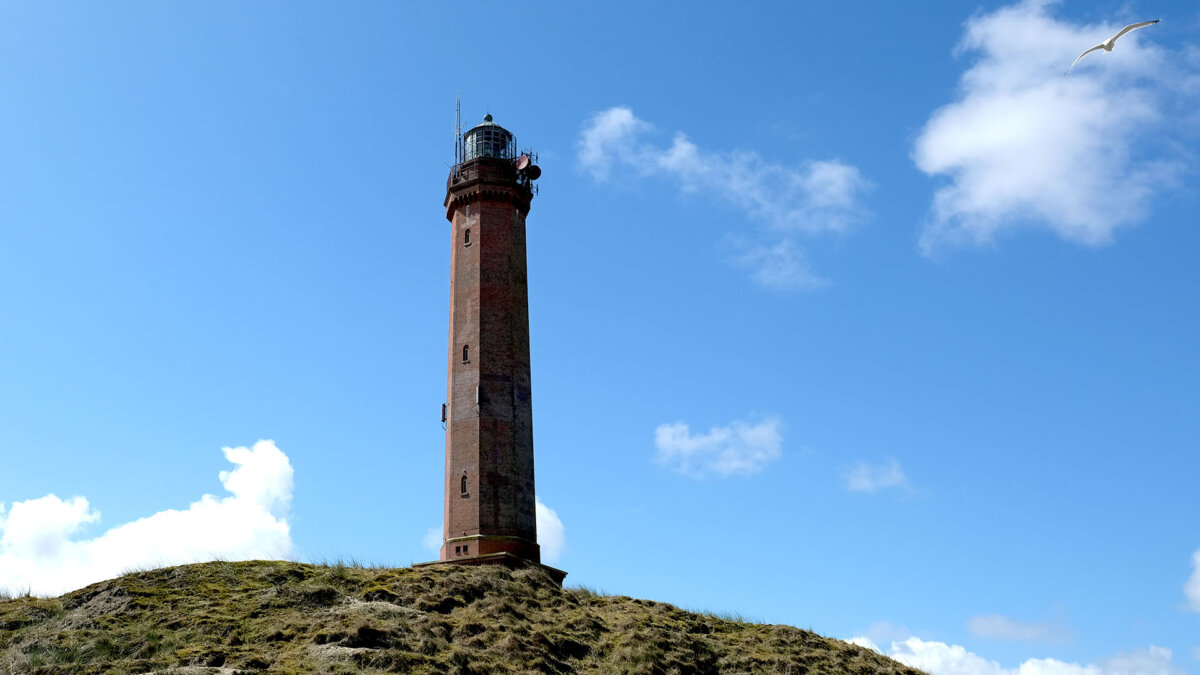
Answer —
(490, 512)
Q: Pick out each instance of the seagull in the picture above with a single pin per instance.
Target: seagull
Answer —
(1107, 45)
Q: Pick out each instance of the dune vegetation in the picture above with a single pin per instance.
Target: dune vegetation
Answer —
(284, 617)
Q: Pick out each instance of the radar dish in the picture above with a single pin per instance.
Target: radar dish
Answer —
(522, 162)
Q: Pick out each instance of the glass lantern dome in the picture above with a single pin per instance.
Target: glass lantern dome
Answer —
(488, 140)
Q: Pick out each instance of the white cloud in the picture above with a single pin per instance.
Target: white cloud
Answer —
(39, 552)
(997, 627)
(607, 140)
(738, 449)
(780, 265)
(552, 535)
(1024, 146)
(39, 529)
(1150, 661)
(809, 198)
(263, 476)
(939, 658)
(433, 539)
(863, 641)
(863, 477)
(1192, 588)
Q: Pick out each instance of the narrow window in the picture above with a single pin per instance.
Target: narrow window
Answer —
(463, 485)
(466, 353)
(467, 237)
(457, 550)
(466, 549)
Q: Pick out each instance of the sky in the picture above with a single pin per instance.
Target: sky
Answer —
(861, 318)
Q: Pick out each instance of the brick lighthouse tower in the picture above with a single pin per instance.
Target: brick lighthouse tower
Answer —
(490, 514)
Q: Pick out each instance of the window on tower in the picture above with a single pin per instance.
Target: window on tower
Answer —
(466, 353)
(467, 237)
(463, 485)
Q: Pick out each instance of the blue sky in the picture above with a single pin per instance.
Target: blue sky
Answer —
(862, 318)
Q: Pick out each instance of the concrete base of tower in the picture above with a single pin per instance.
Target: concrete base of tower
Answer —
(506, 559)
(486, 544)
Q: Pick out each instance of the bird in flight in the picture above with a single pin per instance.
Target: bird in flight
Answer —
(1107, 45)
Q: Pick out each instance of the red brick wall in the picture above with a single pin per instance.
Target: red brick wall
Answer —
(490, 442)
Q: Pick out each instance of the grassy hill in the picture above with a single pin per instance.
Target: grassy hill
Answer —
(284, 617)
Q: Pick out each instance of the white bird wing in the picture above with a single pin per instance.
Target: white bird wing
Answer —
(1134, 26)
(1099, 46)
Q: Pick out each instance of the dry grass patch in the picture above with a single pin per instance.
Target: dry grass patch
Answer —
(225, 618)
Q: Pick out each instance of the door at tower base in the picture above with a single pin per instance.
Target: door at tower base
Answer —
(489, 509)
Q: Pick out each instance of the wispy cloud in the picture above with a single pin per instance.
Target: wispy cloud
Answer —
(433, 539)
(1192, 588)
(882, 631)
(608, 139)
(997, 627)
(809, 198)
(739, 449)
(39, 550)
(1023, 146)
(864, 477)
(780, 265)
(946, 659)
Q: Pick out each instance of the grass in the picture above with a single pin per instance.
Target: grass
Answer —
(346, 617)
(9, 594)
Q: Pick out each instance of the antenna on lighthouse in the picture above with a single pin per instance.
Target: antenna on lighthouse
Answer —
(458, 128)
